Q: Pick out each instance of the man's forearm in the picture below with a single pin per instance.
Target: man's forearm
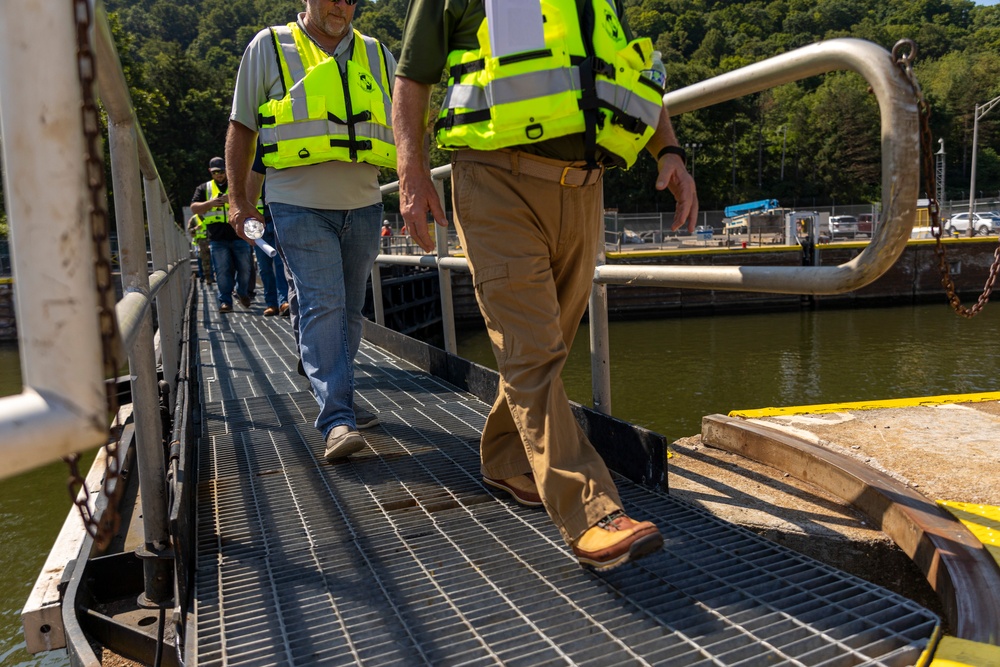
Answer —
(411, 100)
(663, 136)
(241, 143)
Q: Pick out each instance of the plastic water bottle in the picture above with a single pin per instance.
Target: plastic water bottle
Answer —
(253, 228)
(657, 73)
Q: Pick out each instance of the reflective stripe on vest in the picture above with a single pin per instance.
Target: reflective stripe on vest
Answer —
(569, 87)
(218, 214)
(352, 122)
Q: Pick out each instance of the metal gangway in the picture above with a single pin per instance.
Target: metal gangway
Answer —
(400, 556)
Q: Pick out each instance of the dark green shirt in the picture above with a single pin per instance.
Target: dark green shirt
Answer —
(435, 28)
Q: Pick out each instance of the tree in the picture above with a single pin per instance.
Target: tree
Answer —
(180, 59)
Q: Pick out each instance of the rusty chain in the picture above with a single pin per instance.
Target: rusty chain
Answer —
(102, 531)
(903, 54)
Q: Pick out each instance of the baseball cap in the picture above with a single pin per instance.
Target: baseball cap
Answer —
(216, 163)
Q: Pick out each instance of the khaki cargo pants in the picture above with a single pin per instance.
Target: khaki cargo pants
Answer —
(532, 245)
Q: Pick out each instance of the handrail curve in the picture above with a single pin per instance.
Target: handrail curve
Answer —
(900, 172)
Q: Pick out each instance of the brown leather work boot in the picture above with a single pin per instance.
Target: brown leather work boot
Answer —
(521, 488)
(616, 540)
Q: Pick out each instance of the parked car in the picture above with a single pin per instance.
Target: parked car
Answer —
(628, 236)
(983, 223)
(843, 226)
(866, 223)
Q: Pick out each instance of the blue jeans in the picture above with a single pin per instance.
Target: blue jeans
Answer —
(231, 261)
(330, 256)
(272, 272)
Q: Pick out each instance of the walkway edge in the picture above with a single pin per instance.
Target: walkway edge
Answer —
(954, 562)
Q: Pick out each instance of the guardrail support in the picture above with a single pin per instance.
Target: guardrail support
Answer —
(58, 412)
(142, 365)
(444, 280)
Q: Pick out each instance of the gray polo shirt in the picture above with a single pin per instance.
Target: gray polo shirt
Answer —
(333, 185)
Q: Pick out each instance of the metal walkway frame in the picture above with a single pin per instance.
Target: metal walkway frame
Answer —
(400, 555)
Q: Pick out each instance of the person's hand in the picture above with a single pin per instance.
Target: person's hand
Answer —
(417, 197)
(239, 211)
(674, 176)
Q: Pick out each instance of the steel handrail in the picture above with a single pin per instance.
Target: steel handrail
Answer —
(900, 192)
(900, 173)
(60, 412)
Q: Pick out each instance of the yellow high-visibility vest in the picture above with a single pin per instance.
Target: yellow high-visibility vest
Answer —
(199, 232)
(218, 214)
(319, 118)
(587, 80)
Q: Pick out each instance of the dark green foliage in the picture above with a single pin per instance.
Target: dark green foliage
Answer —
(181, 56)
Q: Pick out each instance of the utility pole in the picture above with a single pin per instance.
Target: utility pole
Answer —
(784, 136)
(981, 110)
(694, 151)
(939, 172)
(734, 156)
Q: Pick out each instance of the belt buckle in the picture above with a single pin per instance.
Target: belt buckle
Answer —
(562, 178)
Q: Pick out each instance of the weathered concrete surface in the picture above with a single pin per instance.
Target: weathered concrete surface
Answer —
(947, 452)
(941, 450)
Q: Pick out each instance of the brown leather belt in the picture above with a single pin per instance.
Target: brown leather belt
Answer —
(517, 162)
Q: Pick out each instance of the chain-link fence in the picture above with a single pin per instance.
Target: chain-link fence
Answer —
(655, 228)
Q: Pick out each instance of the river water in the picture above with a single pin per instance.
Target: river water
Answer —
(665, 375)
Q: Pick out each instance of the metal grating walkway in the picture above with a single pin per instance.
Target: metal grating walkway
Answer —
(401, 556)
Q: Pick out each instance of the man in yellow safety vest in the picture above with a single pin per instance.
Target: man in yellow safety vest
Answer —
(542, 97)
(318, 94)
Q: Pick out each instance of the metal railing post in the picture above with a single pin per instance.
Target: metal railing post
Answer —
(166, 304)
(600, 355)
(135, 279)
(444, 280)
(58, 412)
(377, 292)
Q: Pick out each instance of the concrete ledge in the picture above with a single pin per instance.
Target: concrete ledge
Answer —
(954, 562)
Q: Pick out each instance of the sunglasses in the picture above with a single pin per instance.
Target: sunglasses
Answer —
(216, 171)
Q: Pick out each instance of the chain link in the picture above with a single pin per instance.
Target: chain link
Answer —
(111, 353)
(903, 54)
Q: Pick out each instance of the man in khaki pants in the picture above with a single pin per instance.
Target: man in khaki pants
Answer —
(527, 194)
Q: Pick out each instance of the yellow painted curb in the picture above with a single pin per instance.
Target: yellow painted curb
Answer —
(955, 652)
(983, 521)
(867, 405)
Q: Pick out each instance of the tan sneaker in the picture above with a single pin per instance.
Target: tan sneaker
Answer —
(615, 540)
(342, 442)
(521, 488)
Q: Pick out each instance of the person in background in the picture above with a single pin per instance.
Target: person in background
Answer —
(199, 239)
(322, 185)
(527, 178)
(386, 237)
(271, 269)
(290, 307)
(231, 255)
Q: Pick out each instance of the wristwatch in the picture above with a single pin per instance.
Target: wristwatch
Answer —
(676, 150)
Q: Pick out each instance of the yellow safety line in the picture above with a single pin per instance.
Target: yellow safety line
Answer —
(955, 652)
(868, 405)
(928, 653)
(705, 250)
(983, 521)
